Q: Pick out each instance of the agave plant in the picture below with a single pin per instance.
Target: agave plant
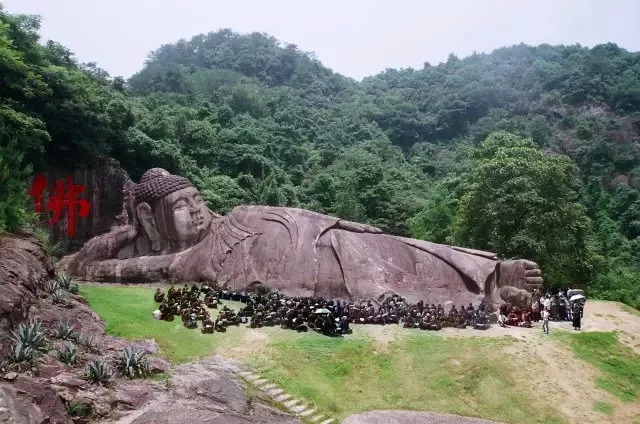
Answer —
(97, 372)
(78, 409)
(59, 297)
(31, 335)
(86, 340)
(21, 353)
(65, 331)
(68, 355)
(51, 286)
(74, 288)
(133, 363)
(64, 281)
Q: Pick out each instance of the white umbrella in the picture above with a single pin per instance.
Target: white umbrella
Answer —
(576, 297)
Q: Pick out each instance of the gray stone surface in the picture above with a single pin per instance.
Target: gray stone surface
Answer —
(411, 417)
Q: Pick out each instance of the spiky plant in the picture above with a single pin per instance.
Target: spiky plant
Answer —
(133, 363)
(64, 281)
(87, 341)
(23, 354)
(68, 355)
(31, 334)
(74, 288)
(59, 297)
(66, 331)
(51, 286)
(97, 372)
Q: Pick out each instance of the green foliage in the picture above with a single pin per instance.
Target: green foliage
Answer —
(78, 409)
(133, 363)
(87, 341)
(21, 353)
(68, 355)
(51, 286)
(59, 297)
(65, 331)
(250, 120)
(618, 363)
(31, 335)
(523, 203)
(97, 372)
(64, 281)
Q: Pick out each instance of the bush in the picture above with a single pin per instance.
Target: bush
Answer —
(64, 281)
(21, 353)
(87, 341)
(51, 286)
(74, 288)
(78, 409)
(65, 331)
(68, 355)
(133, 363)
(97, 372)
(31, 335)
(59, 297)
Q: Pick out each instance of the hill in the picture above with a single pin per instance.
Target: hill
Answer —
(410, 151)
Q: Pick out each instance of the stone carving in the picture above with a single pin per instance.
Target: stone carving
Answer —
(172, 236)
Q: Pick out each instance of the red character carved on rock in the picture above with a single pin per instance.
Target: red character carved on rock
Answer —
(61, 197)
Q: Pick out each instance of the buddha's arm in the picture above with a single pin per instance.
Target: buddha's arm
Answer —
(102, 247)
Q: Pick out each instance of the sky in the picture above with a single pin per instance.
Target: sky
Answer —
(354, 37)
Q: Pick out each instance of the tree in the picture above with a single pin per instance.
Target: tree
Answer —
(523, 203)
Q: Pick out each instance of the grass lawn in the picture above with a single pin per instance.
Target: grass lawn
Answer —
(127, 312)
(620, 366)
(422, 371)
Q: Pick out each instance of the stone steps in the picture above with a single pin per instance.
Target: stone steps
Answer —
(299, 407)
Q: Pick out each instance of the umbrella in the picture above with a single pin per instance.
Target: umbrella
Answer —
(576, 297)
(322, 311)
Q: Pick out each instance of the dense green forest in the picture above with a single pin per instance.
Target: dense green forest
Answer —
(527, 151)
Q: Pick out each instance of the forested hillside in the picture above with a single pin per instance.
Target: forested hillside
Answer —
(527, 151)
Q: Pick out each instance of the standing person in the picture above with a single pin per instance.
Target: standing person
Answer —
(575, 309)
(545, 321)
(535, 306)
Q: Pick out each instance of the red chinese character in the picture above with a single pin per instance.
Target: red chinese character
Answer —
(38, 186)
(67, 199)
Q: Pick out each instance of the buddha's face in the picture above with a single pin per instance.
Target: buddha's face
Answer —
(191, 217)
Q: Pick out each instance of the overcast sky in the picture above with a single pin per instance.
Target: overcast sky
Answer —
(354, 37)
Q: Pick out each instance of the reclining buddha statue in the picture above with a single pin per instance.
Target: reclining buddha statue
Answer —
(170, 235)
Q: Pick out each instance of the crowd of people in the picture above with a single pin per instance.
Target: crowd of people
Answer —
(330, 317)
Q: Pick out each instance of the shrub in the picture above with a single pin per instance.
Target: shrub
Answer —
(133, 363)
(74, 289)
(65, 331)
(64, 281)
(87, 341)
(68, 355)
(78, 409)
(59, 297)
(21, 353)
(97, 372)
(51, 286)
(31, 334)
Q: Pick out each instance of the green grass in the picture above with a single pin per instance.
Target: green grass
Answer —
(603, 407)
(127, 312)
(620, 366)
(629, 309)
(470, 376)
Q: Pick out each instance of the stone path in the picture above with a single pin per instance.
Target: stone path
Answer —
(300, 407)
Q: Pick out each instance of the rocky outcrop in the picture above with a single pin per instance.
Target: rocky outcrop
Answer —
(206, 392)
(24, 266)
(104, 181)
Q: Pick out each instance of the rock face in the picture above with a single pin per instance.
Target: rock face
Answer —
(104, 182)
(24, 266)
(205, 392)
(172, 236)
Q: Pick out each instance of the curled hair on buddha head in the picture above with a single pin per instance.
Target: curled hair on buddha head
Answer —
(156, 183)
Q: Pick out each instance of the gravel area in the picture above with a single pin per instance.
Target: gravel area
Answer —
(411, 417)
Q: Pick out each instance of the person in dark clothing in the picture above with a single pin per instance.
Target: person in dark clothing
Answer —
(575, 311)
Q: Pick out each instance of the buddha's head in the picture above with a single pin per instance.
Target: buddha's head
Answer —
(170, 210)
